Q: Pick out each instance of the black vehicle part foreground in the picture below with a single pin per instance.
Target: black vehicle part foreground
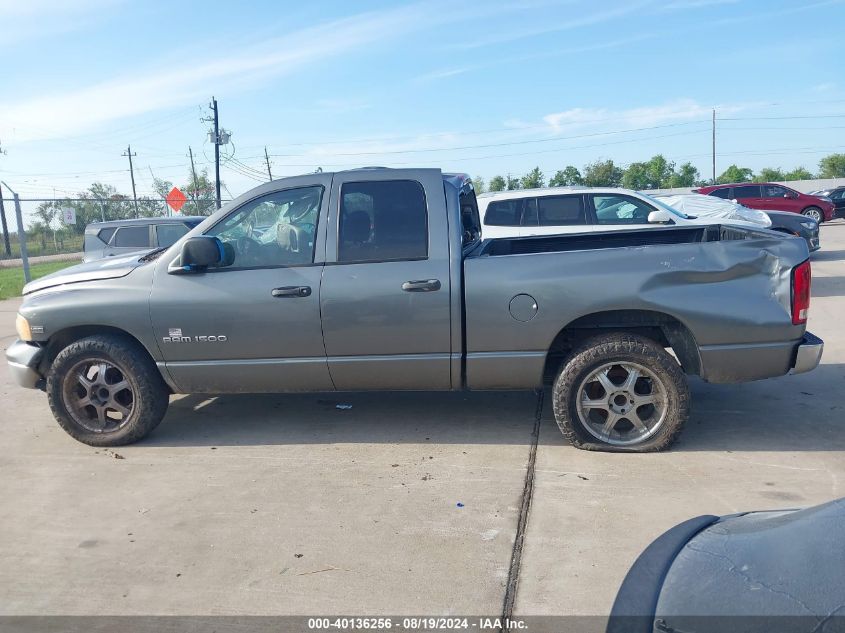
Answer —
(768, 571)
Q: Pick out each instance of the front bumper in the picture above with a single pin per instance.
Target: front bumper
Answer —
(23, 359)
(808, 354)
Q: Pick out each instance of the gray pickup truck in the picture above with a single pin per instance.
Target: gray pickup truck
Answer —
(379, 279)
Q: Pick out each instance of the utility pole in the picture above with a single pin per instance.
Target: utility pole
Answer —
(216, 120)
(267, 159)
(21, 235)
(194, 173)
(714, 146)
(6, 242)
(129, 153)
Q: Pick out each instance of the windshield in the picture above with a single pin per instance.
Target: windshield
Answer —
(665, 206)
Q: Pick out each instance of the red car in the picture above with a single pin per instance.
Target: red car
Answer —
(773, 197)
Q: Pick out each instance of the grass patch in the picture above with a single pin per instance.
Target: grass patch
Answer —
(11, 279)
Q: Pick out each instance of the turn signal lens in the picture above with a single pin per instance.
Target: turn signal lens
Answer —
(22, 326)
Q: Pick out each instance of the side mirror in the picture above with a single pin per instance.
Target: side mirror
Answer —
(790, 195)
(202, 251)
(661, 216)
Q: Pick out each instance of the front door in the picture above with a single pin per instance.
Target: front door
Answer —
(385, 296)
(776, 198)
(253, 325)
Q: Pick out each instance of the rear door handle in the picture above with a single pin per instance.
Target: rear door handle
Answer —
(422, 285)
(291, 291)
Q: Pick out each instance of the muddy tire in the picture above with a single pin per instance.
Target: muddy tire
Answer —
(623, 393)
(106, 391)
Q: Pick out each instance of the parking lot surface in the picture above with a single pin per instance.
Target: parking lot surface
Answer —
(405, 503)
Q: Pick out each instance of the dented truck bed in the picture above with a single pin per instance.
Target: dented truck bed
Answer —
(722, 293)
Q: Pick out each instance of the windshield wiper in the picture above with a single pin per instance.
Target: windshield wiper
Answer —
(153, 255)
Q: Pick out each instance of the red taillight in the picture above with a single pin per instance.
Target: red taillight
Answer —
(800, 293)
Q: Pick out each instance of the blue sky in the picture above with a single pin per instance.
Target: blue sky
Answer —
(485, 88)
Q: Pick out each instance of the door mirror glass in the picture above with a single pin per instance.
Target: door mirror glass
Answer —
(661, 216)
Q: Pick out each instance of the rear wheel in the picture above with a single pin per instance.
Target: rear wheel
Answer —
(815, 213)
(621, 392)
(106, 391)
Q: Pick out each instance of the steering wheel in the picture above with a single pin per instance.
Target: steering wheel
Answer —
(247, 250)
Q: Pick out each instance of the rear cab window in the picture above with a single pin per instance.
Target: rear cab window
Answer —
(382, 220)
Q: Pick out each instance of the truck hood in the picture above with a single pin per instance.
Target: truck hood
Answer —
(109, 268)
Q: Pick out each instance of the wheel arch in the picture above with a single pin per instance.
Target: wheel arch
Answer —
(66, 336)
(666, 330)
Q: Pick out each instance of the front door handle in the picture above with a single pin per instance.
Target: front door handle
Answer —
(422, 285)
(291, 291)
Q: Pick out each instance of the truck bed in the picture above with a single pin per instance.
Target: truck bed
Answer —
(730, 286)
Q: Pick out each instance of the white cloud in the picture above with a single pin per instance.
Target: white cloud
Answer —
(509, 35)
(675, 111)
(144, 91)
(697, 4)
(443, 73)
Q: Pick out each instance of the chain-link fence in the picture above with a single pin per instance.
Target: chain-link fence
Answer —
(55, 226)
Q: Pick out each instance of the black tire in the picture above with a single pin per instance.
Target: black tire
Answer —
(666, 385)
(145, 395)
(815, 213)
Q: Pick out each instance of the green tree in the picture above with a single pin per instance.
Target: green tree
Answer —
(497, 183)
(769, 174)
(568, 177)
(799, 173)
(659, 171)
(602, 174)
(533, 179)
(832, 166)
(735, 174)
(512, 183)
(636, 176)
(477, 184)
(685, 176)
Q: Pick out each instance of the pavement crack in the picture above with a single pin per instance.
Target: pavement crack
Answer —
(522, 519)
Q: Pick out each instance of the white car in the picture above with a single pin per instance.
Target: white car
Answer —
(557, 210)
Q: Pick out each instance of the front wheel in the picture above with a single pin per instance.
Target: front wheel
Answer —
(815, 213)
(621, 392)
(106, 391)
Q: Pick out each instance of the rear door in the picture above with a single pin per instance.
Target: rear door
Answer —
(385, 295)
(749, 195)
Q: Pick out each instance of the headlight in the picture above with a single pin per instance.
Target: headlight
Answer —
(24, 331)
(810, 226)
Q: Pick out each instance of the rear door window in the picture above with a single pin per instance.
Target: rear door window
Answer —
(747, 191)
(382, 220)
(132, 236)
(561, 211)
(773, 191)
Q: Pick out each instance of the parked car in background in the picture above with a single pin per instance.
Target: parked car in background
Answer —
(561, 210)
(837, 196)
(693, 204)
(122, 237)
(773, 197)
